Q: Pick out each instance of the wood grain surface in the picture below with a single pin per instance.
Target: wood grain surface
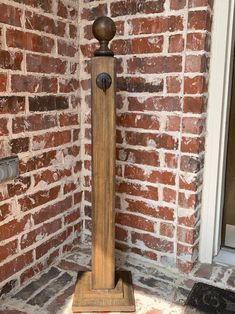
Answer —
(103, 176)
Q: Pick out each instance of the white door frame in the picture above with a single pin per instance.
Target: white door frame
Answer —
(217, 122)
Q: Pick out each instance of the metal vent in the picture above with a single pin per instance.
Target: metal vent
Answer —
(9, 168)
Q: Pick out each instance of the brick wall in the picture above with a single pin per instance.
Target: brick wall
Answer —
(162, 48)
(39, 122)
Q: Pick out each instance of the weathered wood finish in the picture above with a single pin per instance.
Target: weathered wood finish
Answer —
(103, 289)
(103, 176)
(115, 300)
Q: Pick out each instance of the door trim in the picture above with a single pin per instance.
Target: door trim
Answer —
(217, 128)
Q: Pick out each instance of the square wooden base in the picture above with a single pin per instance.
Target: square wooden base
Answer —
(119, 299)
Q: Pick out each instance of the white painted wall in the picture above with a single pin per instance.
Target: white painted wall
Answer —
(217, 122)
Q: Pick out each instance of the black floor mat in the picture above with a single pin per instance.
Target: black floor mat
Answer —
(208, 299)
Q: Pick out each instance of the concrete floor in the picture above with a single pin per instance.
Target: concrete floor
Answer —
(157, 290)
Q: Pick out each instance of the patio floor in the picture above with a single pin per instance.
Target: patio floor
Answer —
(157, 290)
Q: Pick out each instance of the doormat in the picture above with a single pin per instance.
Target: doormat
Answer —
(208, 299)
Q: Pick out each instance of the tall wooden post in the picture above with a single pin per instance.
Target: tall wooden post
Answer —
(103, 289)
(103, 178)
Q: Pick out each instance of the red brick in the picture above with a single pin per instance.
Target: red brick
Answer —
(133, 7)
(155, 64)
(152, 44)
(69, 187)
(152, 140)
(34, 122)
(39, 198)
(188, 218)
(5, 211)
(184, 266)
(190, 183)
(86, 84)
(68, 119)
(32, 271)
(188, 200)
(66, 11)
(188, 236)
(173, 123)
(120, 234)
(8, 250)
(33, 84)
(150, 255)
(20, 186)
(88, 149)
(73, 31)
(176, 43)
(45, 64)
(3, 83)
(144, 103)
(10, 60)
(66, 49)
(155, 25)
(10, 15)
(177, 4)
(153, 242)
(166, 230)
(145, 191)
(186, 252)
(142, 157)
(134, 221)
(36, 162)
(52, 210)
(53, 242)
(171, 160)
(88, 49)
(19, 145)
(192, 145)
(14, 266)
(52, 139)
(71, 217)
(93, 12)
(3, 126)
(139, 85)
(51, 176)
(153, 176)
(44, 24)
(149, 209)
(6, 288)
(169, 195)
(132, 120)
(62, 10)
(196, 63)
(193, 125)
(42, 232)
(68, 85)
(195, 85)
(173, 84)
(198, 41)
(199, 20)
(48, 103)
(194, 104)
(29, 41)
(190, 164)
(11, 104)
(14, 227)
(45, 5)
(200, 3)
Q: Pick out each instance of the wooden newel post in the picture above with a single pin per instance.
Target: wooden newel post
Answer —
(103, 289)
(103, 157)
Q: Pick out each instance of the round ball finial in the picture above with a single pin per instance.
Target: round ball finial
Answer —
(104, 30)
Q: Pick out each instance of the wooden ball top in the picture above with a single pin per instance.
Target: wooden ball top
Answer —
(104, 29)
